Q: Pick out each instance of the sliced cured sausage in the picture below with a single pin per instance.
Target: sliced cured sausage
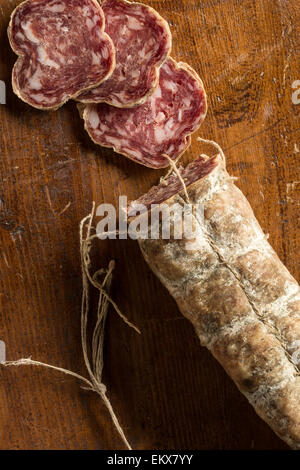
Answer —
(161, 126)
(194, 172)
(62, 50)
(143, 41)
(229, 282)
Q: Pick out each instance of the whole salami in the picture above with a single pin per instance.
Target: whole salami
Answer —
(229, 282)
(143, 41)
(62, 48)
(161, 126)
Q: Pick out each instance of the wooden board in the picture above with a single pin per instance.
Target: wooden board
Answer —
(168, 391)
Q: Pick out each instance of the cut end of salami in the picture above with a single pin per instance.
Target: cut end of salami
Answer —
(143, 41)
(161, 126)
(194, 172)
(63, 50)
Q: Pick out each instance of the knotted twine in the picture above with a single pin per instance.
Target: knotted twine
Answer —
(95, 366)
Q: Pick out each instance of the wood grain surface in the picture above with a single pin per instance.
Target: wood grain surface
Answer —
(168, 391)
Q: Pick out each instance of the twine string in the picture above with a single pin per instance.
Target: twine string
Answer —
(95, 366)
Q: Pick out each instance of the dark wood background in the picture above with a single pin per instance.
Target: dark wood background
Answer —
(168, 391)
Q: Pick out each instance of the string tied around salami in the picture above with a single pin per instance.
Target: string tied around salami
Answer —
(174, 168)
(101, 281)
(276, 331)
(242, 301)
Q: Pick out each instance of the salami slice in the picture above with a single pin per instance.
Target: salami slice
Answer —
(161, 126)
(143, 41)
(62, 50)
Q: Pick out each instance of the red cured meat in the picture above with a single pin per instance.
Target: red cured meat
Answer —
(194, 172)
(143, 41)
(162, 125)
(62, 50)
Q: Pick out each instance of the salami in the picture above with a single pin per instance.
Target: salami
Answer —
(143, 41)
(62, 49)
(161, 126)
(229, 282)
(167, 189)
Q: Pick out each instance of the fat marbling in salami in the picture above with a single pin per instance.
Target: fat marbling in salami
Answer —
(161, 126)
(143, 41)
(62, 48)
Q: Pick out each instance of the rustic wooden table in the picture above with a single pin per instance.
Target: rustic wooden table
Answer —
(168, 391)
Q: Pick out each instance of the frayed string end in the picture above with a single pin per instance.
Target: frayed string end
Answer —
(100, 280)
